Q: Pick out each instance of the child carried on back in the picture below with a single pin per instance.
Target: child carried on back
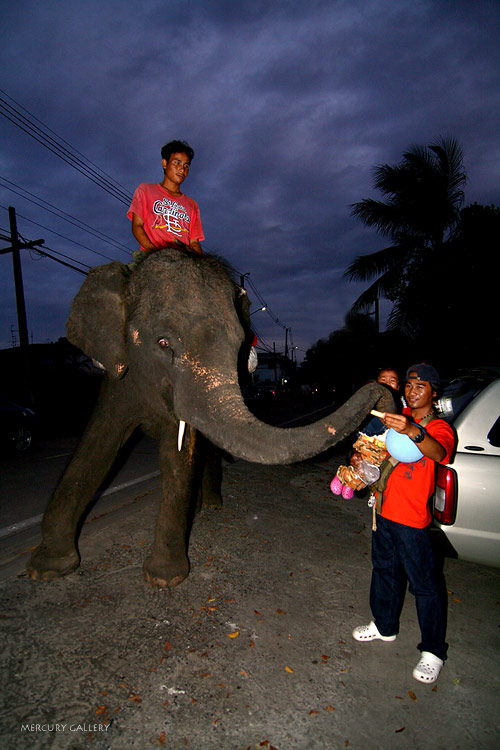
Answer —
(368, 451)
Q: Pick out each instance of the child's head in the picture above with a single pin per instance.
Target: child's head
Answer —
(389, 377)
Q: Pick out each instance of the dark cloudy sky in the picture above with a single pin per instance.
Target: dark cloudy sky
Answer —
(289, 106)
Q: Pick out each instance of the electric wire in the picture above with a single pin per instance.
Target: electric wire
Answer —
(262, 343)
(38, 250)
(78, 223)
(96, 175)
(58, 260)
(266, 346)
(123, 199)
(68, 239)
(62, 139)
(43, 252)
(72, 159)
(264, 304)
(10, 112)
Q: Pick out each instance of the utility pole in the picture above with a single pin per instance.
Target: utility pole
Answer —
(18, 280)
(15, 247)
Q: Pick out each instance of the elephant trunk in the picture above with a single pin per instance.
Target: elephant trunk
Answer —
(223, 417)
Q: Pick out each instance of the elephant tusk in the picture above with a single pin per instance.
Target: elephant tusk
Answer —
(180, 436)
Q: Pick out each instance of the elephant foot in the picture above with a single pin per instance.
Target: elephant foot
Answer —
(46, 565)
(211, 500)
(163, 573)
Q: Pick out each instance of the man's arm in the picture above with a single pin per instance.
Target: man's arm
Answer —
(139, 233)
(195, 245)
(144, 241)
(429, 447)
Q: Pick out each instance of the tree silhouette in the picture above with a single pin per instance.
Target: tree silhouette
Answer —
(424, 195)
(352, 355)
(461, 307)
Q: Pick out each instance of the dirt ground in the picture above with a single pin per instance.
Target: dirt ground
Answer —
(254, 649)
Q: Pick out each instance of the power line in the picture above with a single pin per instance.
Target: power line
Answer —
(27, 123)
(96, 180)
(263, 344)
(61, 139)
(276, 321)
(68, 239)
(41, 135)
(78, 223)
(72, 157)
(32, 245)
(264, 304)
(62, 262)
(57, 252)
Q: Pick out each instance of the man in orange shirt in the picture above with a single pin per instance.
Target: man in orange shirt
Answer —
(401, 548)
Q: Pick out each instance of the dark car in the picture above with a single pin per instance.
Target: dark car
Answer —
(16, 425)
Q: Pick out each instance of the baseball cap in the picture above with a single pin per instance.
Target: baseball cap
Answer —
(424, 372)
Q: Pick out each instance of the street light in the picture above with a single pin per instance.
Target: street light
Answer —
(260, 309)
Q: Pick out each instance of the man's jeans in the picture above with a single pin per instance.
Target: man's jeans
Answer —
(400, 554)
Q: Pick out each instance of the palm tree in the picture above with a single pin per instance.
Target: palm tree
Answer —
(424, 195)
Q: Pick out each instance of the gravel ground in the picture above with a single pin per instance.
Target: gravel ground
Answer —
(254, 649)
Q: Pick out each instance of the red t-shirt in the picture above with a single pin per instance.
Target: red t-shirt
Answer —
(166, 217)
(410, 486)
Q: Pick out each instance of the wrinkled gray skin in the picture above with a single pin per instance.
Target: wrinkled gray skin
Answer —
(170, 334)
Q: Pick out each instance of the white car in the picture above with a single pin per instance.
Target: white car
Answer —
(467, 497)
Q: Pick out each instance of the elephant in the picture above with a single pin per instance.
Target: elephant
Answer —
(171, 332)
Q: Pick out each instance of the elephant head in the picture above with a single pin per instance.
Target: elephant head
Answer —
(177, 326)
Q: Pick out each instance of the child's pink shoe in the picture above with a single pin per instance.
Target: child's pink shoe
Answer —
(336, 485)
(347, 492)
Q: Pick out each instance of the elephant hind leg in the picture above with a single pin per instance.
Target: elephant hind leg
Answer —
(44, 565)
(210, 490)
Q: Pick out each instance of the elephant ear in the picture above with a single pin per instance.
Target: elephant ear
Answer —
(96, 322)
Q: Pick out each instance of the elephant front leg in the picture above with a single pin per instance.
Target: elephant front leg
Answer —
(168, 564)
(57, 555)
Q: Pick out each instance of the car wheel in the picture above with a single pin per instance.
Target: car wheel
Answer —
(21, 439)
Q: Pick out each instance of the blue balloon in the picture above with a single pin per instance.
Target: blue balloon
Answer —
(402, 447)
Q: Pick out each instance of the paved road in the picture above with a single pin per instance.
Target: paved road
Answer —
(254, 649)
(28, 479)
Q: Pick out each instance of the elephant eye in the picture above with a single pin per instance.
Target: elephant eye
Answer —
(163, 343)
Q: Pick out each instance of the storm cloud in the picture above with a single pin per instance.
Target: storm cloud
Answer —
(288, 106)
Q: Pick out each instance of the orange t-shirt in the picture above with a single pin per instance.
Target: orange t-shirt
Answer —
(410, 485)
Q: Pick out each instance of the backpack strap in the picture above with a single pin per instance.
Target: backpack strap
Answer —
(389, 464)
